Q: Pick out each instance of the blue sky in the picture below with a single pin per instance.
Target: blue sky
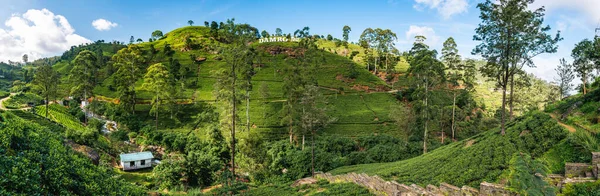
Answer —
(26, 25)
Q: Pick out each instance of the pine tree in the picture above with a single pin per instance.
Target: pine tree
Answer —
(565, 77)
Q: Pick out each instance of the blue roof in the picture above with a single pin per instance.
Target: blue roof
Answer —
(136, 156)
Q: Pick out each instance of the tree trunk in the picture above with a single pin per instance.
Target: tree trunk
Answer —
(157, 106)
(512, 84)
(290, 124)
(302, 142)
(453, 113)
(313, 154)
(247, 109)
(503, 109)
(442, 123)
(584, 85)
(47, 105)
(426, 120)
(233, 125)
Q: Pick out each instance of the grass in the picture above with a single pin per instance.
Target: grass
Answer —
(141, 177)
(469, 162)
(321, 188)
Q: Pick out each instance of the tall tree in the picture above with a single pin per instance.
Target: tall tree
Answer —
(128, 62)
(345, 31)
(278, 32)
(264, 34)
(582, 61)
(156, 35)
(156, 81)
(228, 88)
(314, 116)
(565, 77)
(25, 59)
(511, 35)
(46, 81)
(454, 67)
(368, 41)
(82, 75)
(191, 22)
(131, 39)
(264, 95)
(427, 72)
(206, 24)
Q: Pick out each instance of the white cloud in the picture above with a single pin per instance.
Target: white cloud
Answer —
(37, 33)
(103, 25)
(446, 8)
(428, 32)
(586, 7)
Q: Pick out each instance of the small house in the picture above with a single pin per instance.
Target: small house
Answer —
(138, 160)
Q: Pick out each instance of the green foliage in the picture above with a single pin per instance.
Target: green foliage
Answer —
(483, 157)
(526, 176)
(4, 94)
(20, 100)
(582, 189)
(34, 161)
(321, 188)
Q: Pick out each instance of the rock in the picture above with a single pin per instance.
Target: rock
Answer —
(304, 181)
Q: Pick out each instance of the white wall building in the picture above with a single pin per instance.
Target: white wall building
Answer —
(138, 160)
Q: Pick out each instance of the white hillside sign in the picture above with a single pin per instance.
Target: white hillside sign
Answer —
(278, 39)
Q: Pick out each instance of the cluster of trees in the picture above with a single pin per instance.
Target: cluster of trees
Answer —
(379, 48)
(586, 60)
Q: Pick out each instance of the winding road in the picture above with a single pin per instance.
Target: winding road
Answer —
(6, 98)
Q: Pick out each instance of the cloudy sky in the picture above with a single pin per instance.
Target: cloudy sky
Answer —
(47, 28)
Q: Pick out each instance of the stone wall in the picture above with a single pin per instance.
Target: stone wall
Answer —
(391, 188)
(578, 170)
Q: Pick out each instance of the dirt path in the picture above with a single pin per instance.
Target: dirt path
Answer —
(568, 127)
(6, 98)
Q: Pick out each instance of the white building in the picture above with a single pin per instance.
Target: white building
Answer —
(136, 160)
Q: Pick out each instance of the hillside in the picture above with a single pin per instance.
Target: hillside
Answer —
(484, 157)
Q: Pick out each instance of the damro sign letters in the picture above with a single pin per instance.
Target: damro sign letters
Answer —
(278, 39)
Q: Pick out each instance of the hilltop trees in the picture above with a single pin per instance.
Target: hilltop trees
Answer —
(156, 81)
(345, 31)
(565, 77)
(278, 32)
(378, 41)
(156, 35)
(582, 61)
(128, 62)
(190, 22)
(511, 35)
(25, 59)
(46, 81)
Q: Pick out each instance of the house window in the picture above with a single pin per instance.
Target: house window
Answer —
(143, 162)
(131, 164)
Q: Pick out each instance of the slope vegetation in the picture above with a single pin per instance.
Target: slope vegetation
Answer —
(483, 157)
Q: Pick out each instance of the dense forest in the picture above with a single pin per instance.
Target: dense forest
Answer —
(229, 109)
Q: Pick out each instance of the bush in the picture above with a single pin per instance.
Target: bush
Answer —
(587, 189)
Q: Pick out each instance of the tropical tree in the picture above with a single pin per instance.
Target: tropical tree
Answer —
(25, 59)
(264, 34)
(511, 35)
(82, 75)
(131, 39)
(455, 74)
(565, 77)
(278, 32)
(46, 81)
(427, 72)
(345, 31)
(582, 61)
(314, 116)
(128, 62)
(156, 35)
(206, 24)
(229, 90)
(156, 81)
(190, 22)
